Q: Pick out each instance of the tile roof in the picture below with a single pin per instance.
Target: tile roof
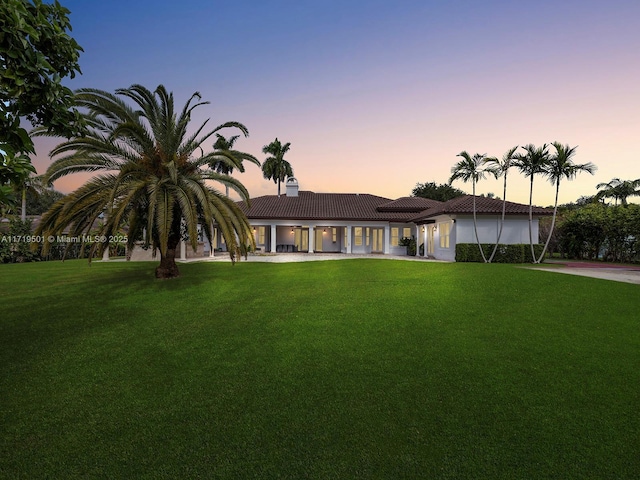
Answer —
(365, 207)
(323, 206)
(409, 204)
(484, 206)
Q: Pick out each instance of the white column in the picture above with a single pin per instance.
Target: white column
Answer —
(272, 239)
(312, 238)
(349, 239)
(183, 250)
(387, 238)
(424, 234)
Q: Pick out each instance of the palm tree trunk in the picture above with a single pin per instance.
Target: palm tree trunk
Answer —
(278, 187)
(553, 223)
(475, 224)
(23, 213)
(168, 267)
(533, 253)
(504, 209)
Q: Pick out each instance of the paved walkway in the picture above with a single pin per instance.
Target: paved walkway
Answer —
(306, 257)
(617, 273)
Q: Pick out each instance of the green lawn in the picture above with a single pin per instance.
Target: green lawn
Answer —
(339, 369)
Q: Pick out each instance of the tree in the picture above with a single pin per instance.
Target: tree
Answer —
(619, 190)
(434, 191)
(15, 171)
(227, 158)
(40, 197)
(36, 53)
(500, 168)
(532, 163)
(559, 166)
(275, 167)
(151, 180)
(583, 232)
(470, 168)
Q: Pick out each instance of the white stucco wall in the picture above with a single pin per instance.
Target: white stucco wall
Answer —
(442, 252)
(515, 230)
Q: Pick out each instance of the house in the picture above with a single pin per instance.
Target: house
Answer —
(303, 221)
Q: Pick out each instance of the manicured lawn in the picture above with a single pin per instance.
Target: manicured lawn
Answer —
(338, 369)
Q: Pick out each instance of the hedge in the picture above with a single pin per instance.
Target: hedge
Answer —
(518, 253)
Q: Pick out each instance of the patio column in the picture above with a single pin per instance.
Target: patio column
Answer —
(312, 238)
(424, 235)
(387, 239)
(183, 250)
(348, 245)
(272, 239)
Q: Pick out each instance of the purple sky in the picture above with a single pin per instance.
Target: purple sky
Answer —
(377, 96)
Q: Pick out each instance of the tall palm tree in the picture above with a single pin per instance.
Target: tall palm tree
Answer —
(150, 178)
(619, 190)
(227, 158)
(532, 163)
(275, 167)
(500, 168)
(470, 168)
(559, 166)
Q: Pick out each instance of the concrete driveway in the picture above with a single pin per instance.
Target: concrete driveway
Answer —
(617, 273)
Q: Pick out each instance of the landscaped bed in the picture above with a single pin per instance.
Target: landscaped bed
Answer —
(339, 369)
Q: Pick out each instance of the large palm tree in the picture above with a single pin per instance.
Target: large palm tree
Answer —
(150, 178)
(559, 166)
(227, 158)
(275, 167)
(500, 168)
(470, 169)
(532, 163)
(619, 190)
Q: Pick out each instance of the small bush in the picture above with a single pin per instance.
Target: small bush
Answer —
(410, 243)
(15, 246)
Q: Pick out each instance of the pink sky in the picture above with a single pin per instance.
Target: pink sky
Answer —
(375, 99)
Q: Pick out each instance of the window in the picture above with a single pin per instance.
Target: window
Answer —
(334, 237)
(261, 233)
(367, 236)
(406, 232)
(445, 231)
(357, 232)
(395, 231)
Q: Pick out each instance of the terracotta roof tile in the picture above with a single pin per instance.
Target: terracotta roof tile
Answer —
(484, 206)
(322, 206)
(409, 204)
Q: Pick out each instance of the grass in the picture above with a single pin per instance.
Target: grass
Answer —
(338, 369)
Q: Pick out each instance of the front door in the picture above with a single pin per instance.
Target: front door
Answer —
(378, 243)
(430, 240)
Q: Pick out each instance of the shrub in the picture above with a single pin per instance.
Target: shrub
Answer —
(410, 243)
(518, 253)
(14, 247)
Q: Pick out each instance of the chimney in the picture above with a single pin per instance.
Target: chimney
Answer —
(292, 187)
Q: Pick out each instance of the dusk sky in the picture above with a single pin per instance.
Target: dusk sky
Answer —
(377, 96)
